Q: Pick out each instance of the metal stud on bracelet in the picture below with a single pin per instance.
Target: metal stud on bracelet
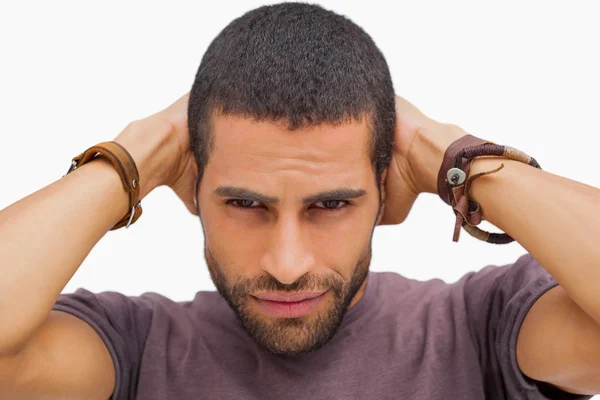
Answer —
(456, 176)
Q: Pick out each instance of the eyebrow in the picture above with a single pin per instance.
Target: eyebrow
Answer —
(246, 194)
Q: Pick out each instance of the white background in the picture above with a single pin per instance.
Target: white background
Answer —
(72, 74)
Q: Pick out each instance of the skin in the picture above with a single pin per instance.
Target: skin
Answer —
(51, 354)
(253, 246)
(559, 341)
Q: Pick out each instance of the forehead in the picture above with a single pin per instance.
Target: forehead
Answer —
(265, 146)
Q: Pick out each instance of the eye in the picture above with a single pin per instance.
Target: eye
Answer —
(241, 203)
(328, 205)
(333, 205)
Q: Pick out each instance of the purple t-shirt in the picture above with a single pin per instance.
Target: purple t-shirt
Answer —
(405, 339)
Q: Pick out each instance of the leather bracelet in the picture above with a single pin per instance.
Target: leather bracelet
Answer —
(454, 183)
(128, 172)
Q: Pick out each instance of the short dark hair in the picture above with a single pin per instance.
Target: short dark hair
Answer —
(295, 63)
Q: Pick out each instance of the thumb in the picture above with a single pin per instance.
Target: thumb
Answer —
(185, 191)
(185, 188)
(399, 197)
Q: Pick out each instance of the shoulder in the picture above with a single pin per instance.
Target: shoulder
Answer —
(207, 307)
(505, 291)
(499, 296)
(403, 300)
(117, 315)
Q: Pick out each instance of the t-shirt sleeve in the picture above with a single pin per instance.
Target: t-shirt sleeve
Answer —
(123, 324)
(497, 299)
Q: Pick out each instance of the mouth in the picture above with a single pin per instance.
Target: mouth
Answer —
(288, 305)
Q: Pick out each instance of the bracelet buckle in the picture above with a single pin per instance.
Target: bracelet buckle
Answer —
(72, 168)
(125, 166)
(132, 212)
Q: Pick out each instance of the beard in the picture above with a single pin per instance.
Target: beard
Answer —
(290, 336)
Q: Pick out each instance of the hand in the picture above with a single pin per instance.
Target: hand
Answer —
(182, 178)
(160, 147)
(419, 146)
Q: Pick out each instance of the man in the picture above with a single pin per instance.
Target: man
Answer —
(291, 147)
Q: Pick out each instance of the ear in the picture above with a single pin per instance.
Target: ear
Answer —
(382, 189)
(196, 183)
(382, 183)
(380, 214)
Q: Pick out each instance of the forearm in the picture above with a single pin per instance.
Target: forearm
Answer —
(45, 237)
(554, 218)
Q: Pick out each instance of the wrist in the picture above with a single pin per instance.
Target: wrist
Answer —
(428, 152)
(149, 141)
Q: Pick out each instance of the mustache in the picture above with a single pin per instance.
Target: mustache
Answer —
(237, 291)
(268, 283)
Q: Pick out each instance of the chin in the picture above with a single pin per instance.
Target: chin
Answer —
(293, 336)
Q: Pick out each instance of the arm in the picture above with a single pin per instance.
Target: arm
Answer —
(556, 219)
(40, 252)
(40, 247)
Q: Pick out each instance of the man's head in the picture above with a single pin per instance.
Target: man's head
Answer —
(291, 119)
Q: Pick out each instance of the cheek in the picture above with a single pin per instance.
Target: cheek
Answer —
(234, 242)
(341, 248)
(241, 239)
(339, 237)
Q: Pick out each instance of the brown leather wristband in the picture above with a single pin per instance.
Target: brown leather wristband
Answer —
(454, 183)
(128, 172)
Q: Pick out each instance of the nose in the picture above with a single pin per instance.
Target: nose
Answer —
(288, 254)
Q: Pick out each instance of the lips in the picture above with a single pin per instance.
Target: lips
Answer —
(288, 308)
(288, 297)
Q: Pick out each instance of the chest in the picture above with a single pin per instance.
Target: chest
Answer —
(380, 365)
